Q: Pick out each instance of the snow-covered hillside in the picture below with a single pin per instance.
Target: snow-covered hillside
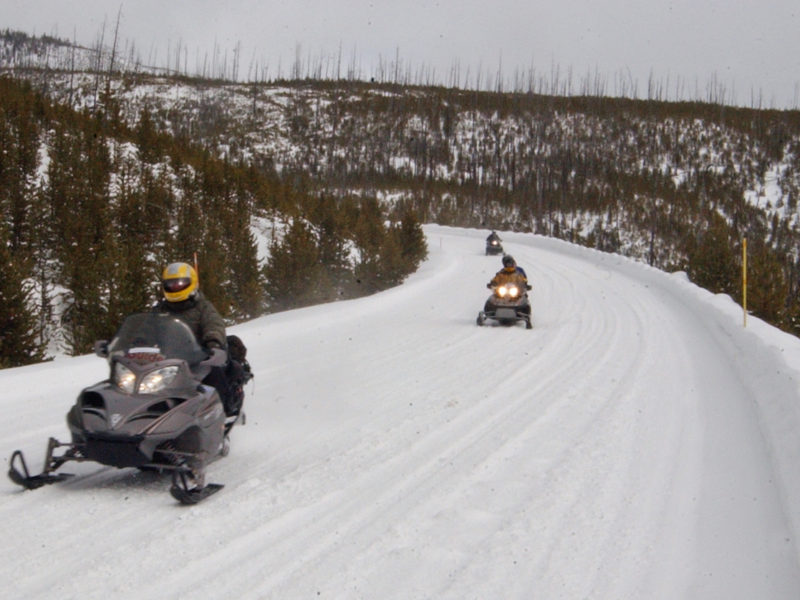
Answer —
(639, 442)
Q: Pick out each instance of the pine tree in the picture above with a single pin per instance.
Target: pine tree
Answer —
(133, 249)
(292, 269)
(713, 260)
(411, 240)
(368, 229)
(215, 195)
(247, 290)
(369, 236)
(19, 144)
(43, 266)
(148, 138)
(767, 288)
(19, 343)
(79, 197)
(334, 257)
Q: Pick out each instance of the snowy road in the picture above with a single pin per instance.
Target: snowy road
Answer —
(637, 443)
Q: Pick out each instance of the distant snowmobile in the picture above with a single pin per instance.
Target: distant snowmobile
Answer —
(152, 413)
(508, 304)
(493, 246)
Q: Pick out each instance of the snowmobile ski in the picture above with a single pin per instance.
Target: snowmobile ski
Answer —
(21, 476)
(181, 491)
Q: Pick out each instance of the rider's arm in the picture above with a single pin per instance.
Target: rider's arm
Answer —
(212, 326)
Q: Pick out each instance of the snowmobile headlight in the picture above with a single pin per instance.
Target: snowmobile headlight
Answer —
(513, 291)
(157, 380)
(124, 378)
(502, 291)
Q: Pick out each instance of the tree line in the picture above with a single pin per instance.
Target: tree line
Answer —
(675, 184)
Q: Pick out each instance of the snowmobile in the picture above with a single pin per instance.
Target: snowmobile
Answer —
(508, 304)
(493, 247)
(152, 413)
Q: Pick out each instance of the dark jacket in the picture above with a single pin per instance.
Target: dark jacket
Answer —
(201, 317)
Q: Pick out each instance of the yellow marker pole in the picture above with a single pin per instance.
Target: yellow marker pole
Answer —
(744, 280)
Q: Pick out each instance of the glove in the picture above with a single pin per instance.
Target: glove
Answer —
(218, 357)
(489, 285)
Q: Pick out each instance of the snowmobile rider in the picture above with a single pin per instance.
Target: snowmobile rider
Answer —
(182, 298)
(493, 237)
(510, 273)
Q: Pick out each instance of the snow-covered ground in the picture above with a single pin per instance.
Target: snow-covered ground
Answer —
(639, 442)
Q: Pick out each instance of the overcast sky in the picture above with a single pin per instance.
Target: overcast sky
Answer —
(750, 49)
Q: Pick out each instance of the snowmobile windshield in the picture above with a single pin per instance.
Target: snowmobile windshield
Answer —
(157, 332)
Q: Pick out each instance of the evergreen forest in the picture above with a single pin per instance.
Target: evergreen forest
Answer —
(93, 209)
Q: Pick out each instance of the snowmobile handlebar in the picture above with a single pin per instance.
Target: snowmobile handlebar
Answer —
(217, 358)
(490, 286)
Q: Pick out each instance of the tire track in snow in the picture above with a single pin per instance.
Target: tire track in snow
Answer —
(463, 446)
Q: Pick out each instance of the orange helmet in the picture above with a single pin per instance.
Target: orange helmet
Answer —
(179, 281)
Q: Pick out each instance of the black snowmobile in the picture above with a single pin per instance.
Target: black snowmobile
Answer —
(493, 246)
(508, 304)
(152, 413)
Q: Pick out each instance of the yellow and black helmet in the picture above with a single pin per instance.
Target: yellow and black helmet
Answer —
(179, 281)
